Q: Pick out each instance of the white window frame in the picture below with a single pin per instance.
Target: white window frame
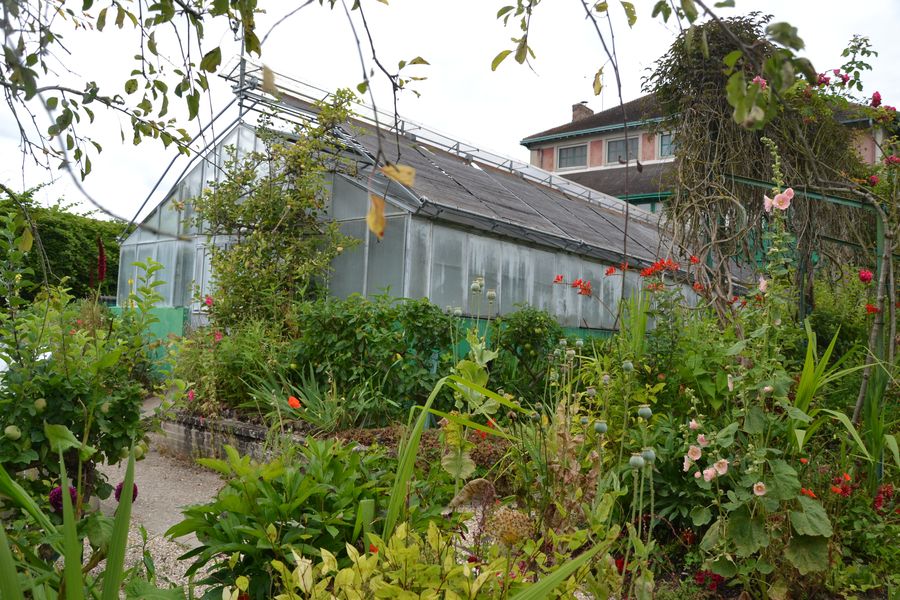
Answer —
(587, 158)
(637, 150)
(659, 153)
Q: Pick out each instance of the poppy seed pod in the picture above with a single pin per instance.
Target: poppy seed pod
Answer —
(649, 455)
(628, 366)
(645, 412)
(636, 461)
(601, 427)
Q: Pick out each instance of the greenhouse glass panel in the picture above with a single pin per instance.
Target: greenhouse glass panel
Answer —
(515, 282)
(484, 261)
(386, 259)
(168, 218)
(419, 258)
(126, 272)
(166, 254)
(146, 232)
(609, 293)
(591, 309)
(447, 267)
(543, 286)
(349, 201)
(566, 302)
(183, 279)
(348, 269)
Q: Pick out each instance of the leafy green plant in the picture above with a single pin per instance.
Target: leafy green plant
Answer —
(320, 496)
(523, 339)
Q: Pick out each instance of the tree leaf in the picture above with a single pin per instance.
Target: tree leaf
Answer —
(690, 10)
(499, 59)
(400, 173)
(375, 217)
(629, 12)
(26, 240)
(598, 82)
(211, 60)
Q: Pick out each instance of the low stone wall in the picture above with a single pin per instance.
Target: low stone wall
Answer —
(195, 437)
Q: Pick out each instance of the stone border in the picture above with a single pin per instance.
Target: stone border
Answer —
(192, 437)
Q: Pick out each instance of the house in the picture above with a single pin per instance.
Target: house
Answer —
(590, 149)
(469, 214)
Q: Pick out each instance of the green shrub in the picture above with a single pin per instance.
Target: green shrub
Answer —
(324, 496)
(524, 339)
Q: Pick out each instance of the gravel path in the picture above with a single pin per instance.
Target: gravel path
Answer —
(165, 485)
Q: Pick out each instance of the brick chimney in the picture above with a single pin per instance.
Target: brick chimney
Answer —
(581, 111)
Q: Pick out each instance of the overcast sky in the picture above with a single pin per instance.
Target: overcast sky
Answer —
(461, 97)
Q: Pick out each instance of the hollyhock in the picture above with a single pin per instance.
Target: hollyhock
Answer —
(709, 474)
(687, 463)
(865, 275)
(760, 82)
(767, 204)
(876, 100)
(763, 284)
(721, 466)
(768, 389)
(759, 488)
(782, 201)
(697, 475)
(701, 439)
(694, 453)
(693, 425)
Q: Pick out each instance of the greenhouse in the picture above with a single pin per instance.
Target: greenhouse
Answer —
(469, 214)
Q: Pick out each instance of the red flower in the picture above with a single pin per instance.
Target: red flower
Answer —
(217, 336)
(836, 489)
(876, 100)
(101, 261)
(872, 309)
(620, 564)
(846, 477)
(865, 275)
(807, 492)
(873, 180)
(893, 159)
(585, 289)
(577, 283)
(823, 79)
(623, 266)
(694, 260)
(208, 301)
(698, 287)
(804, 461)
(558, 279)
(611, 271)
(293, 402)
(373, 548)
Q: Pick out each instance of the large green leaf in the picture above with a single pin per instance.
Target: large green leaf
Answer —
(71, 543)
(138, 589)
(115, 561)
(811, 519)
(747, 533)
(808, 553)
(9, 583)
(458, 464)
(785, 485)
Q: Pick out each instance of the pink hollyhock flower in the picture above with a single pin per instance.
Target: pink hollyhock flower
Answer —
(694, 453)
(768, 389)
(709, 474)
(696, 474)
(759, 488)
(865, 275)
(876, 100)
(721, 466)
(693, 425)
(763, 284)
(701, 439)
(782, 201)
(687, 463)
(767, 204)
(760, 82)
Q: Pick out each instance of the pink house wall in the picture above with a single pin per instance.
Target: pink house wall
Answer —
(648, 146)
(547, 160)
(596, 153)
(864, 144)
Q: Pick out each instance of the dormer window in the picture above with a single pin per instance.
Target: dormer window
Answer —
(572, 157)
(615, 150)
(666, 145)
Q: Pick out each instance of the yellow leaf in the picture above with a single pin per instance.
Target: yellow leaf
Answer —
(26, 240)
(375, 218)
(268, 84)
(598, 82)
(400, 173)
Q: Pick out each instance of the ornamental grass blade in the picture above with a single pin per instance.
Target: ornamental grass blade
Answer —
(71, 544)
(16, 493)
(544, 586)
(115, 561)
(406, 462)
(9, 583)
